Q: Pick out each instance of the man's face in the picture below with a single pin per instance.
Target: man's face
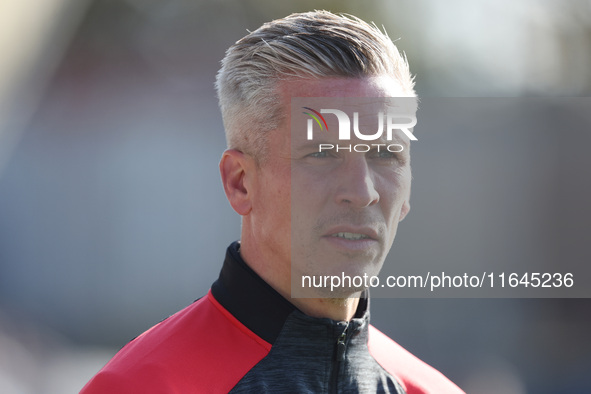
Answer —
(333, 212)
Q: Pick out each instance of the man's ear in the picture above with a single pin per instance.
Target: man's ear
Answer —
(404, 210)
(234, 168)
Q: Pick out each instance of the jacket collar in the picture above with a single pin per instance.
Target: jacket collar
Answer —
(257, 305)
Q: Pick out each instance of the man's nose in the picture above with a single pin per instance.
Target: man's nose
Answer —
(355, 183)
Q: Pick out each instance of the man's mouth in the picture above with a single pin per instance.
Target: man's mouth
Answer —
(351, 236)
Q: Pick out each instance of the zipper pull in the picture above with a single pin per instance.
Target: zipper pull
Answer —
(341, 345)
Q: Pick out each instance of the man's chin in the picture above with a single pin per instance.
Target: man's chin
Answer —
(334, 293)
(343, 277)
(344, 284)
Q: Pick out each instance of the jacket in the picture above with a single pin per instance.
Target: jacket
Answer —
(244, 337)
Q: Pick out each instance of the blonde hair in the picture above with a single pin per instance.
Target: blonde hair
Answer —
(311, 45)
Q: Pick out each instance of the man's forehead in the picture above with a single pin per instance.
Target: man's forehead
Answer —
(352, 119)
(364, 97)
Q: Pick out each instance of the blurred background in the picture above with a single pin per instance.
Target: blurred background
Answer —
(112, 215)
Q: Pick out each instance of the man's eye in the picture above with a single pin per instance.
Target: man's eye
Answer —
(384, 154)
(318, 155)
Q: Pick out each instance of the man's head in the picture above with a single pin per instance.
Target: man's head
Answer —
(317, 214)
(312, 45)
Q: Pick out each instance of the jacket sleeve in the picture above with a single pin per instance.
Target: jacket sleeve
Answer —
(416, 376)
(202, 348)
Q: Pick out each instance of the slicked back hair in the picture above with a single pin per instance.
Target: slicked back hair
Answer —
(311, 45)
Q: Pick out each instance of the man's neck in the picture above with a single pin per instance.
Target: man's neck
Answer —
(339, 309)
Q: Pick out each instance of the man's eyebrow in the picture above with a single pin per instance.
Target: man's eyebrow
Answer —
(402, 141)
(308, 145)
(383, 141)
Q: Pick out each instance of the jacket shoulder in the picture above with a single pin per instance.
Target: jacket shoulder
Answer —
(201, 348)
(416, 376)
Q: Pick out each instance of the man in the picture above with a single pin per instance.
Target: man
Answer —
(304, 211)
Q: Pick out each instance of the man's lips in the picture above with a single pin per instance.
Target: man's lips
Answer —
(352, 233)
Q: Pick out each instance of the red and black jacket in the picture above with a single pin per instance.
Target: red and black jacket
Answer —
(245, 337)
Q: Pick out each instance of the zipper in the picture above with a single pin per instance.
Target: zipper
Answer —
(339, 357)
